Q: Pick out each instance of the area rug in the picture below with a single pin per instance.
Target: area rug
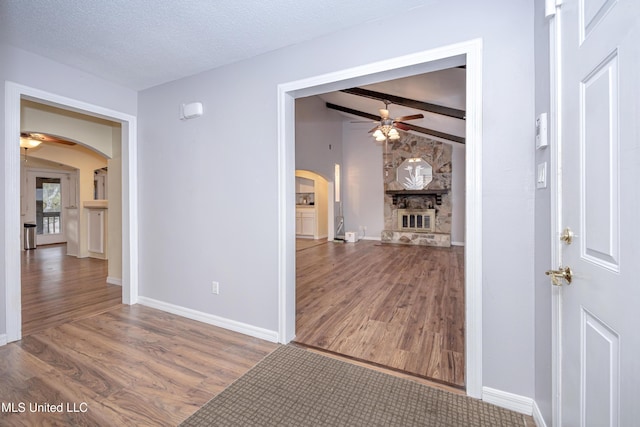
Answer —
(296, 387)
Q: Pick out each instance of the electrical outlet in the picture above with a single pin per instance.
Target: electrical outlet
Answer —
(215, 287)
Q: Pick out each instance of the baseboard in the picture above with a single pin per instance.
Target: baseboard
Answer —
(211, 319)
(3, 339)
(457, 243)
(370, 238)
(513, 402)
(537, 416)
(114, 281)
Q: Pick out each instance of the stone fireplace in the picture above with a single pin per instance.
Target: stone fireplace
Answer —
(417, 203)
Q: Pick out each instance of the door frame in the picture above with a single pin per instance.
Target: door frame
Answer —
(288, 92)
(12, 278)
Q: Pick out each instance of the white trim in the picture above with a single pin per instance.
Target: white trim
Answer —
(3, 339)
(287, 92)
(13, 93)
(457, 243)
(537, 416)
(13, 298)
(555, 188)
(504, 399)
(114, 281)
(210, 319)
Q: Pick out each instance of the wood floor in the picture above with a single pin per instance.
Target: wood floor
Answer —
(104, 362)
(397, 306)
(57, 288)
(131, 365)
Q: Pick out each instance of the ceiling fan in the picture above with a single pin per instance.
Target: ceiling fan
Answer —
(42, 137)
(387, 127)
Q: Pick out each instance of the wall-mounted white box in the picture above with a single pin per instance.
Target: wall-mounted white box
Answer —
(541, 131)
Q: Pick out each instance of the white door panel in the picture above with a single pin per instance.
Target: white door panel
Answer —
(599, 187)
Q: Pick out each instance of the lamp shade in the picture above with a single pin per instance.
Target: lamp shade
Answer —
(29, 143)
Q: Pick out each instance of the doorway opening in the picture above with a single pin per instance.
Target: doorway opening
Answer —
(14, 96)
(65, 194)
(470, 54)
(390, 290)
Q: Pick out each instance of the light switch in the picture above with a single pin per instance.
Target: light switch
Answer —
(541, 181)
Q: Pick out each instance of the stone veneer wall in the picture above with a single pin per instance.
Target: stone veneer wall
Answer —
(438, 155)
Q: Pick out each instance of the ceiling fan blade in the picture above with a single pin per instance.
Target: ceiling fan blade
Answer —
(402, 126)
(374, 129)
(412, 117)
(364, 121)
(43, 137)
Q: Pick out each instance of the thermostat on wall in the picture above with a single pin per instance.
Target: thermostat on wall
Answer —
(541, 131)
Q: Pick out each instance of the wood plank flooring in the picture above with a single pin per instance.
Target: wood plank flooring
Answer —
(131, 365)
(57, 288)
(401, 307)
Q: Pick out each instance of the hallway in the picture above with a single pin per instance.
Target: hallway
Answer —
(57, 288)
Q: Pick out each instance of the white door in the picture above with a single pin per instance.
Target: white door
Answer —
(600, 195)
(48, 195)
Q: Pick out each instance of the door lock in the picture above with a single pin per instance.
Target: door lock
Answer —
(557, 276)
(567, 236)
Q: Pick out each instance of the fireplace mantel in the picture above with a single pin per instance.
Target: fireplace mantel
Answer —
(426, 192)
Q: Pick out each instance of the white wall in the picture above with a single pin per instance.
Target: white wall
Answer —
(38, 72)
(231, 201)
(363, 186)
(318, 137)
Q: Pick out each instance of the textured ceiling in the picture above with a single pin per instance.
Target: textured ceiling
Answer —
(143, 43)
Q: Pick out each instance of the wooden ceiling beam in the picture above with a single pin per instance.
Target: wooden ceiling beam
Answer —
(406, 102)
(414, 128)
(348, 110)
(443, 135)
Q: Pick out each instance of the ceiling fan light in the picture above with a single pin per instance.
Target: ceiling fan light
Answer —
(378, 133)
(380, 138)
(394, 132)
(29, 143)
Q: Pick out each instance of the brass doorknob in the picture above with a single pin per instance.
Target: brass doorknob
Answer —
(558, 275)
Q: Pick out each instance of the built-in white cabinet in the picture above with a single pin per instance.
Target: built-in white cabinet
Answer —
(97, 232)
(305, 222)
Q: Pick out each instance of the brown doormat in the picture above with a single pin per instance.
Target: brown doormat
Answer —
(296, 387)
